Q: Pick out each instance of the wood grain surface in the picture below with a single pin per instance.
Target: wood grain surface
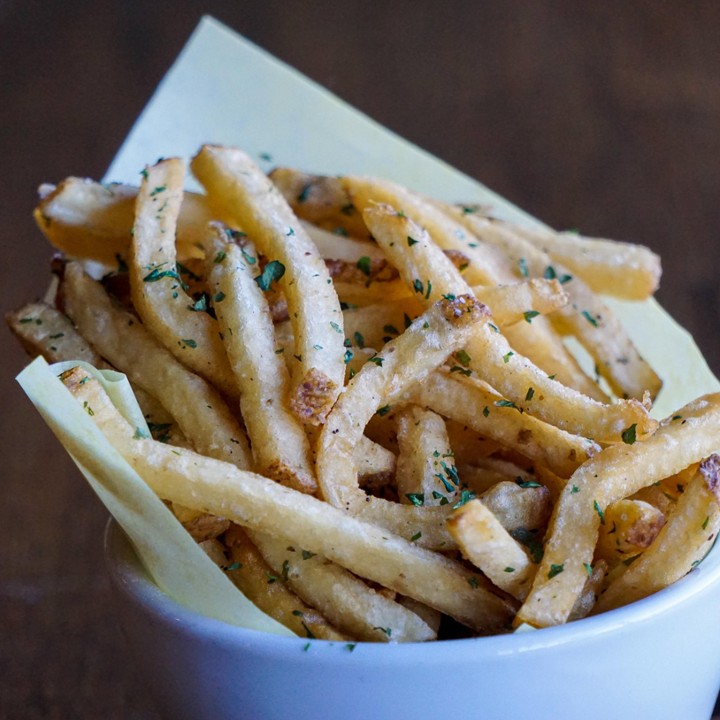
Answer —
(598, 116)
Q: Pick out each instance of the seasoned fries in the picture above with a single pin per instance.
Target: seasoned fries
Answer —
(359, 403)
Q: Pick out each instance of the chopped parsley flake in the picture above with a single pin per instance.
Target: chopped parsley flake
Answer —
(273, 271)
(629, 435)
(593, 321)
(555, 570)
(599, 511)
(463, 358)
(363, 265)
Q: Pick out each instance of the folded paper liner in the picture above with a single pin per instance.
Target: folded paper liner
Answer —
(225, 90)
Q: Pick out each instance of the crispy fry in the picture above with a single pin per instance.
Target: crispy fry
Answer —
(182, 325)
(402, 362)
(252, 500)
(615, 473)
(621, 269)
(592, 322)
(425, 465)
(629, 528)
(483, 265)
(488, 545)
(425, 268)
(473, 404)
(45, 331)
(234, 182)
(680, 545)
(344, 599)
(248, 569)
(279, 445)
(196, 406)
(93, 221)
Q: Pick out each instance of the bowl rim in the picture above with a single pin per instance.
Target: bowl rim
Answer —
(132, 580)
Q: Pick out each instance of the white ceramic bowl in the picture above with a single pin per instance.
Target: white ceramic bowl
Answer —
(658, 659)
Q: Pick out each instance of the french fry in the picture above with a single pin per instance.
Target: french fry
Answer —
(683, 541)
(196, 406)
(484, 265)
(473, 404)
(382, 382)
(523, 504)
(529, 390)
(425, 465)
(279, 444)
(487, 544)
(93, 221)
(259, 503)
(182, 325)
(510, 304)
(338, 246)
(629, 528)
(322, 201)
(344, 599)
(625, 270)
(235, 183)
(248, 569)
(43, 330)
(586, 317)
(619, 471)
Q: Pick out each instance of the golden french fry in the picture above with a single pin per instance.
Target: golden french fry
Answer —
(338, 246)
(118, 336)
(378, 322)
(622, 269)
(425, 464)
(683, 541)
(345, 600)
(181, 324)
(279, 444)
(234, 182)
(485, 265)
(44, 330)
(267, 588)
(629, 528)
(322, 201)
(470, 402)
(249, 499)
(520, 505)
(619, 471)
(585, 316)
(427, 270)
(489, 546)
(383, 381)
(93, 221)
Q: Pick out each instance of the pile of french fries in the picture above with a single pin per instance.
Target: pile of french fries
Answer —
(362, 404)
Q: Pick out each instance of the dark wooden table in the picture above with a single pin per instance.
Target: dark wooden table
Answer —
(601, 116)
